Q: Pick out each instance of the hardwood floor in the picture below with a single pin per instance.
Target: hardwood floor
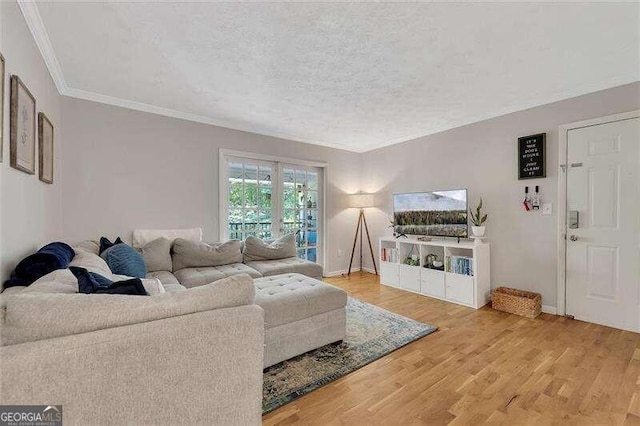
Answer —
(480, 366)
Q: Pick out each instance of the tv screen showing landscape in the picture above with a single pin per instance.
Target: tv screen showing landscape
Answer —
(438, 213)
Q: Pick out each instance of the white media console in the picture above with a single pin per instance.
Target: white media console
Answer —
(469, 285)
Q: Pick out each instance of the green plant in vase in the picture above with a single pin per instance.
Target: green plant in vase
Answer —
(478, 220)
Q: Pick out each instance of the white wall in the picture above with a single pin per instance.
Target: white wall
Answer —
(30, 210)
(482, 157)
(126, 169)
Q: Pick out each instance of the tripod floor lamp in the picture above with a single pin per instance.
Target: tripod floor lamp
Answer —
(361, 201)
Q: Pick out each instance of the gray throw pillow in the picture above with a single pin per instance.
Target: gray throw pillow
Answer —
(188, 254)
(282, 248)
(157, 255)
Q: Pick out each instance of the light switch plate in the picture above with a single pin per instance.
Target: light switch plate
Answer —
(547, 208)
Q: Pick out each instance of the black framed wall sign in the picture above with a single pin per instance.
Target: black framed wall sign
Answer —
(531, 156)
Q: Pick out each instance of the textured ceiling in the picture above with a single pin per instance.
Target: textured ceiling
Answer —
(352, 75)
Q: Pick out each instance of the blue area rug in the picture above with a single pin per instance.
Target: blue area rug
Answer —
(372, 333)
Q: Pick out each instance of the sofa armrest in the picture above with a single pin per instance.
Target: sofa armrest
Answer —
(200, 368)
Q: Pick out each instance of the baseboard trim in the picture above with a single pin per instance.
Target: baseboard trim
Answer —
(338, 273)
(344, 272)
(549, 310)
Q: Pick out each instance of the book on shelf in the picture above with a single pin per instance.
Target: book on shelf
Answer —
(460, 265)
(389, 254)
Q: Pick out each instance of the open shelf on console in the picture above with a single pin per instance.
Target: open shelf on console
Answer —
(464, 278)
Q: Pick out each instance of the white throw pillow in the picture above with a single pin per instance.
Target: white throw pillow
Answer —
(141, 237)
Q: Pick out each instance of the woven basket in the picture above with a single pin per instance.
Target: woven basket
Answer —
(519, 302)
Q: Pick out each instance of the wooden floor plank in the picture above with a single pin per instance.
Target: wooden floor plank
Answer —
(481, 366)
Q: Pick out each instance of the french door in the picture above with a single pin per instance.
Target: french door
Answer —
(269, 199)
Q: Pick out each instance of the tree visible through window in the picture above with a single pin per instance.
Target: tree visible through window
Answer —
(249, 201)
(270, 199)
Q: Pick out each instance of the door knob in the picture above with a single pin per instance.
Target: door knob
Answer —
(573, 238)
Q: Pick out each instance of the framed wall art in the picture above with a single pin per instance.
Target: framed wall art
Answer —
(531, 156)
(22, 125)
(45, 148)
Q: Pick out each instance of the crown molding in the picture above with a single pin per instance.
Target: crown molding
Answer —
(34, 21)
(167, 112)
(561, 96)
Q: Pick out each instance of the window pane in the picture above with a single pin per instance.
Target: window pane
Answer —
(312, 238)
(312, 199)
(235, 218)
(312, 218)
(235, 194)
(312, 181)
(264, 174)
(265, 197)
(235, 171)
(289, 177)
(301, 178)
(251, 194)
(290, 198)
(302, 254)
(264, 217)
(265, 235)
(251, 219)
(300, 239)
(300, 196)
(312, 255)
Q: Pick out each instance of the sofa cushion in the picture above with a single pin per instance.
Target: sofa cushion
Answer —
(125, 260)
(165, 277)
(88, 246)
(91, 262)
(187, 254)
(157, 255)
(257, 249)
(191, 277)
(142, 237)
(168, 280)
(293, 297)
(34, 316)
(287, 266)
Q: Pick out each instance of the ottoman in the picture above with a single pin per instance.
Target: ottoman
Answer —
(300, 314)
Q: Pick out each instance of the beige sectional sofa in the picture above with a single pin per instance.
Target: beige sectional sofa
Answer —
(192, 353)
(177, 357)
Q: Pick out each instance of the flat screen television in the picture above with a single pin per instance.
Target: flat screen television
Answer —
(437, 213)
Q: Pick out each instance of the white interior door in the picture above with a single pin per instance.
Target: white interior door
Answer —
(603, 224)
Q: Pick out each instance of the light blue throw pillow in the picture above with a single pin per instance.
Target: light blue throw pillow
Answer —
(125, 260)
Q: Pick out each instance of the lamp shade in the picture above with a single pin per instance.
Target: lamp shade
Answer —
(361, 201)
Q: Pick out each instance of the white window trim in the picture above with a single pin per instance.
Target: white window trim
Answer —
(222, 188)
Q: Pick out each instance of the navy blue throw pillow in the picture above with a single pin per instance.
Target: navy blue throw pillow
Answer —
(92, 283)
(105, 243)
(125, 260)
(53, 256)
